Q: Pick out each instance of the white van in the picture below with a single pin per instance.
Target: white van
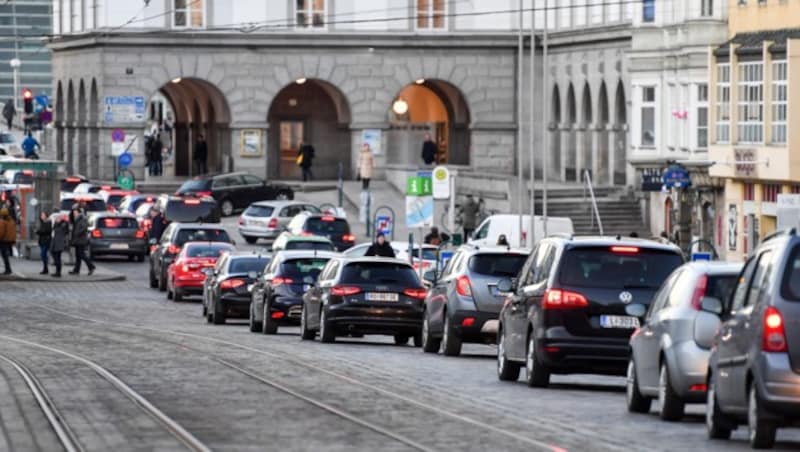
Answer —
(486, 233)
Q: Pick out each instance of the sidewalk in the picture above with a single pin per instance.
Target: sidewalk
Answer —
(383, 194)
(28, 270)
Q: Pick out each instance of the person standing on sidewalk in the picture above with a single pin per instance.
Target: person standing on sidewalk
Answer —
(366, 161)
(58, 244)
(306, 155)
(8, 237)
(44, 231)
(157, 155)
(9, 112)
(201, 155)
(469, 216)
(429, 150)
(80, 240)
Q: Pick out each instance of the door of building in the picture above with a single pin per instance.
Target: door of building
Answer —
(291, 134)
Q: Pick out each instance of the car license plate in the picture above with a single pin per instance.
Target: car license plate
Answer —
(381, 296)
(119, 246)
(619, 321)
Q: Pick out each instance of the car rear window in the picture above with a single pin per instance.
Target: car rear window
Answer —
(248, 264)
(790, 287)
(325, 226)
(194, 185)
(94, 205)
(206, 250)
(69, 185)
(115, 200)
(721, 286)
(301, 268)
(379, 273)
(23, 179)
(309, 245)
(600, 267)
(497, 264)
(259, 211)
(192, 211)
(117, 223)
(201, 235)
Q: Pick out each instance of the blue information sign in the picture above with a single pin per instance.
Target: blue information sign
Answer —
(701, 256)
(677, 176)
(125, 159)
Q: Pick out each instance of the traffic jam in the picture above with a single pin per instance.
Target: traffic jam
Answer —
(681, 332)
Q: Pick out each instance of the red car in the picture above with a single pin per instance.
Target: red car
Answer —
(185, 275)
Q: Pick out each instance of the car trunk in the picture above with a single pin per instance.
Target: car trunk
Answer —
(334, 229)
(601, 317)
(381, 284)
(485, 271)
(118, 229)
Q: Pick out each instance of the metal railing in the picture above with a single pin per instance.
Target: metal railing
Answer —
(587, 178)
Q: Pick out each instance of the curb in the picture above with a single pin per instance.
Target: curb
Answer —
(16, 277)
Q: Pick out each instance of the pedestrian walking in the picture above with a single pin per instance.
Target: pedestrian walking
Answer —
(29, 146)
(9, 111)
(366, 162)
(429, 150)
(157, 156)
(469, 216)
(435, 237)
(201, 155)
(59, 242)
(44, 232)
(305, 157)
(80, 240)
(380, 247)
(8, 237)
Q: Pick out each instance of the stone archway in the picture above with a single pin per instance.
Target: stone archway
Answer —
(620, 135)
(82, 142)
(571, 153)
(602, 157)
(316, 112)
(587, 126)
(555, 134)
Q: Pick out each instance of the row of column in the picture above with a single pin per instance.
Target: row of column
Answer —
(78, 147)
(601, 150)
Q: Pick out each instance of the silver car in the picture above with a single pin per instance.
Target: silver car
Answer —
(267, 219)
(669, 353)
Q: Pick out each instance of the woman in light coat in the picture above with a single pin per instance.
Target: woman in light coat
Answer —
(366, 161)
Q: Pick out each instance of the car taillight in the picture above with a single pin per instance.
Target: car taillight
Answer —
(273, 223)
(463, 286)
(231, 283)
(328, 218)
(192, 202)
(624, 249)
(699, 292)
(563, 299)
(146, 224)
(139, 234)
(172, 249)
(97, 234)
(278, 280)
(203, 193)
(344, 290)
(110, 208)
(349, 238)
(306, 234)
(416, 292)
(774, 335)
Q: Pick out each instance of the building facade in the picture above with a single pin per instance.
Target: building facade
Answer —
(752, 104)
(23, 23)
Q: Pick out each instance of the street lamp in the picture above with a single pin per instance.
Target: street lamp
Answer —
(15, 64)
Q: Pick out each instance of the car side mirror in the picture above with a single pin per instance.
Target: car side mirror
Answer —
(636, 310)
(712, 305)
(252, 275)
(505, 285)
(532, 291)
(429, 276)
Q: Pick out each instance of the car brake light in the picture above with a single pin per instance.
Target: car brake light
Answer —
(463, 286)
(625, 249)
(172, 249)
(192, 202)
(345, 290)
(73, 179)
(698, 388)
(563, 299)
(139, 234)
(105, 187)
(277, 315)
(27, 172)
(774, 335)
(231, 283)
(148, 199)
(328, 218)
(279, 280)
(306, 234)
(468, 322)
(273, 223)
(699, 292)
(97, 234)
(416, 292)
(349, 238)
(204, 193)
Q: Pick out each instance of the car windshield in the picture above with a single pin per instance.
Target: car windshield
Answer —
(327, 226)
(629, 267)
(201, 235)
(206, 250)
(721, 286)
(790, 289)
(306, 269)
(115, 200)
(117, 223)
(379, 273)
(497, 264)
(193, 185)
(259, 211)
(90, 205)
(309, 245)
(248, 264)
(192, 210)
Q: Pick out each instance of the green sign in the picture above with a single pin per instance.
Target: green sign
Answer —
(125, 182)
(419, 186)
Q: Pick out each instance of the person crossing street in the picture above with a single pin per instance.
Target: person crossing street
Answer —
(80, 240)
(59, 243)
(44, 232)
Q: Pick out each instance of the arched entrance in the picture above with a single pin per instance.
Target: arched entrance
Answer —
(555, 135)
(603, 171)
(620, 135)
(82, 129)
(434, 107)
(588, 132)
(199, 108)
(315, 112)
(571, 154)
(59, 121)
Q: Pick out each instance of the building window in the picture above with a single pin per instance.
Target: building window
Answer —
(431, 14)
(310, 14)
(189, 14)
(749, 191)
(706, 8)
(723, 103)
(780, 97)
(702, 116)
(796, 189)
(648, 116)
(751, 103)
(771, 192)
(648, 10)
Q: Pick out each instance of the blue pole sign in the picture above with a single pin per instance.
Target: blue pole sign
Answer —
(125, 159)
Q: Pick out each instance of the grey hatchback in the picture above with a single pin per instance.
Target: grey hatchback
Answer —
(754, 371)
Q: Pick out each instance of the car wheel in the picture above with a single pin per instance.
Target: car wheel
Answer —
(219, 314)
(162, 282)
(153, 280)
(451, 343)
(226, 206)
(255, 326)
(506, 370)
(637, 403)
(305, 333)
(270, 325)
(418, 340)
(250, 240)
(762, 432)
(169, 293)
(430, 344)
(671, 405)
(401, 339)
(177, 295)
(537, 375)
(326, 333)
(718, 426)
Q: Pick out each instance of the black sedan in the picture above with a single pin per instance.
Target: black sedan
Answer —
(225, 293)
(356, 296)
(116, 234)
(235, 191)
(278, 294)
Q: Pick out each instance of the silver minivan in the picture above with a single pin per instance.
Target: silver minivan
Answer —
(267, 219)
(669, 353)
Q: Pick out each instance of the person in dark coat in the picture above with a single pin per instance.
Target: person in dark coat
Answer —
(44, 232)
(9, 112)
(435, 237)
(380, 247)
(201, 155)
(157, 225)
(59, 242)
(429, 150)
(80, 240)
(157, 156)
(8, 237)
(307, 153)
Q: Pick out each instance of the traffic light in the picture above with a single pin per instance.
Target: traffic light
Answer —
(27, 96)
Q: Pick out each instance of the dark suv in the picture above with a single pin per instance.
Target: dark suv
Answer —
(576, 303)
(235, 191)
(173, 239)
(188, 210)
(754, 368)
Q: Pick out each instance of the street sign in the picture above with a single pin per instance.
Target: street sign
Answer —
(419, 211)
(117, 136)
(124, 109)
(125, 159)
(701, 256)
(118, 148)
(677, 176)
(383, 225)
(125, 182)
(419, 186)
(788, 211)
(441, 183)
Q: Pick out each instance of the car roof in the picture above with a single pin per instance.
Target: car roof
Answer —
(372, 259)
(82, 196)
(278, 203)
(207, 243)
(404, 245)
(322, 214)
(260, 253)
(216, 175)
(210, 226)
(589, 240)
(113, 215)
(285, 255)
(308, 238)
(476, 249)
(715, 267)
